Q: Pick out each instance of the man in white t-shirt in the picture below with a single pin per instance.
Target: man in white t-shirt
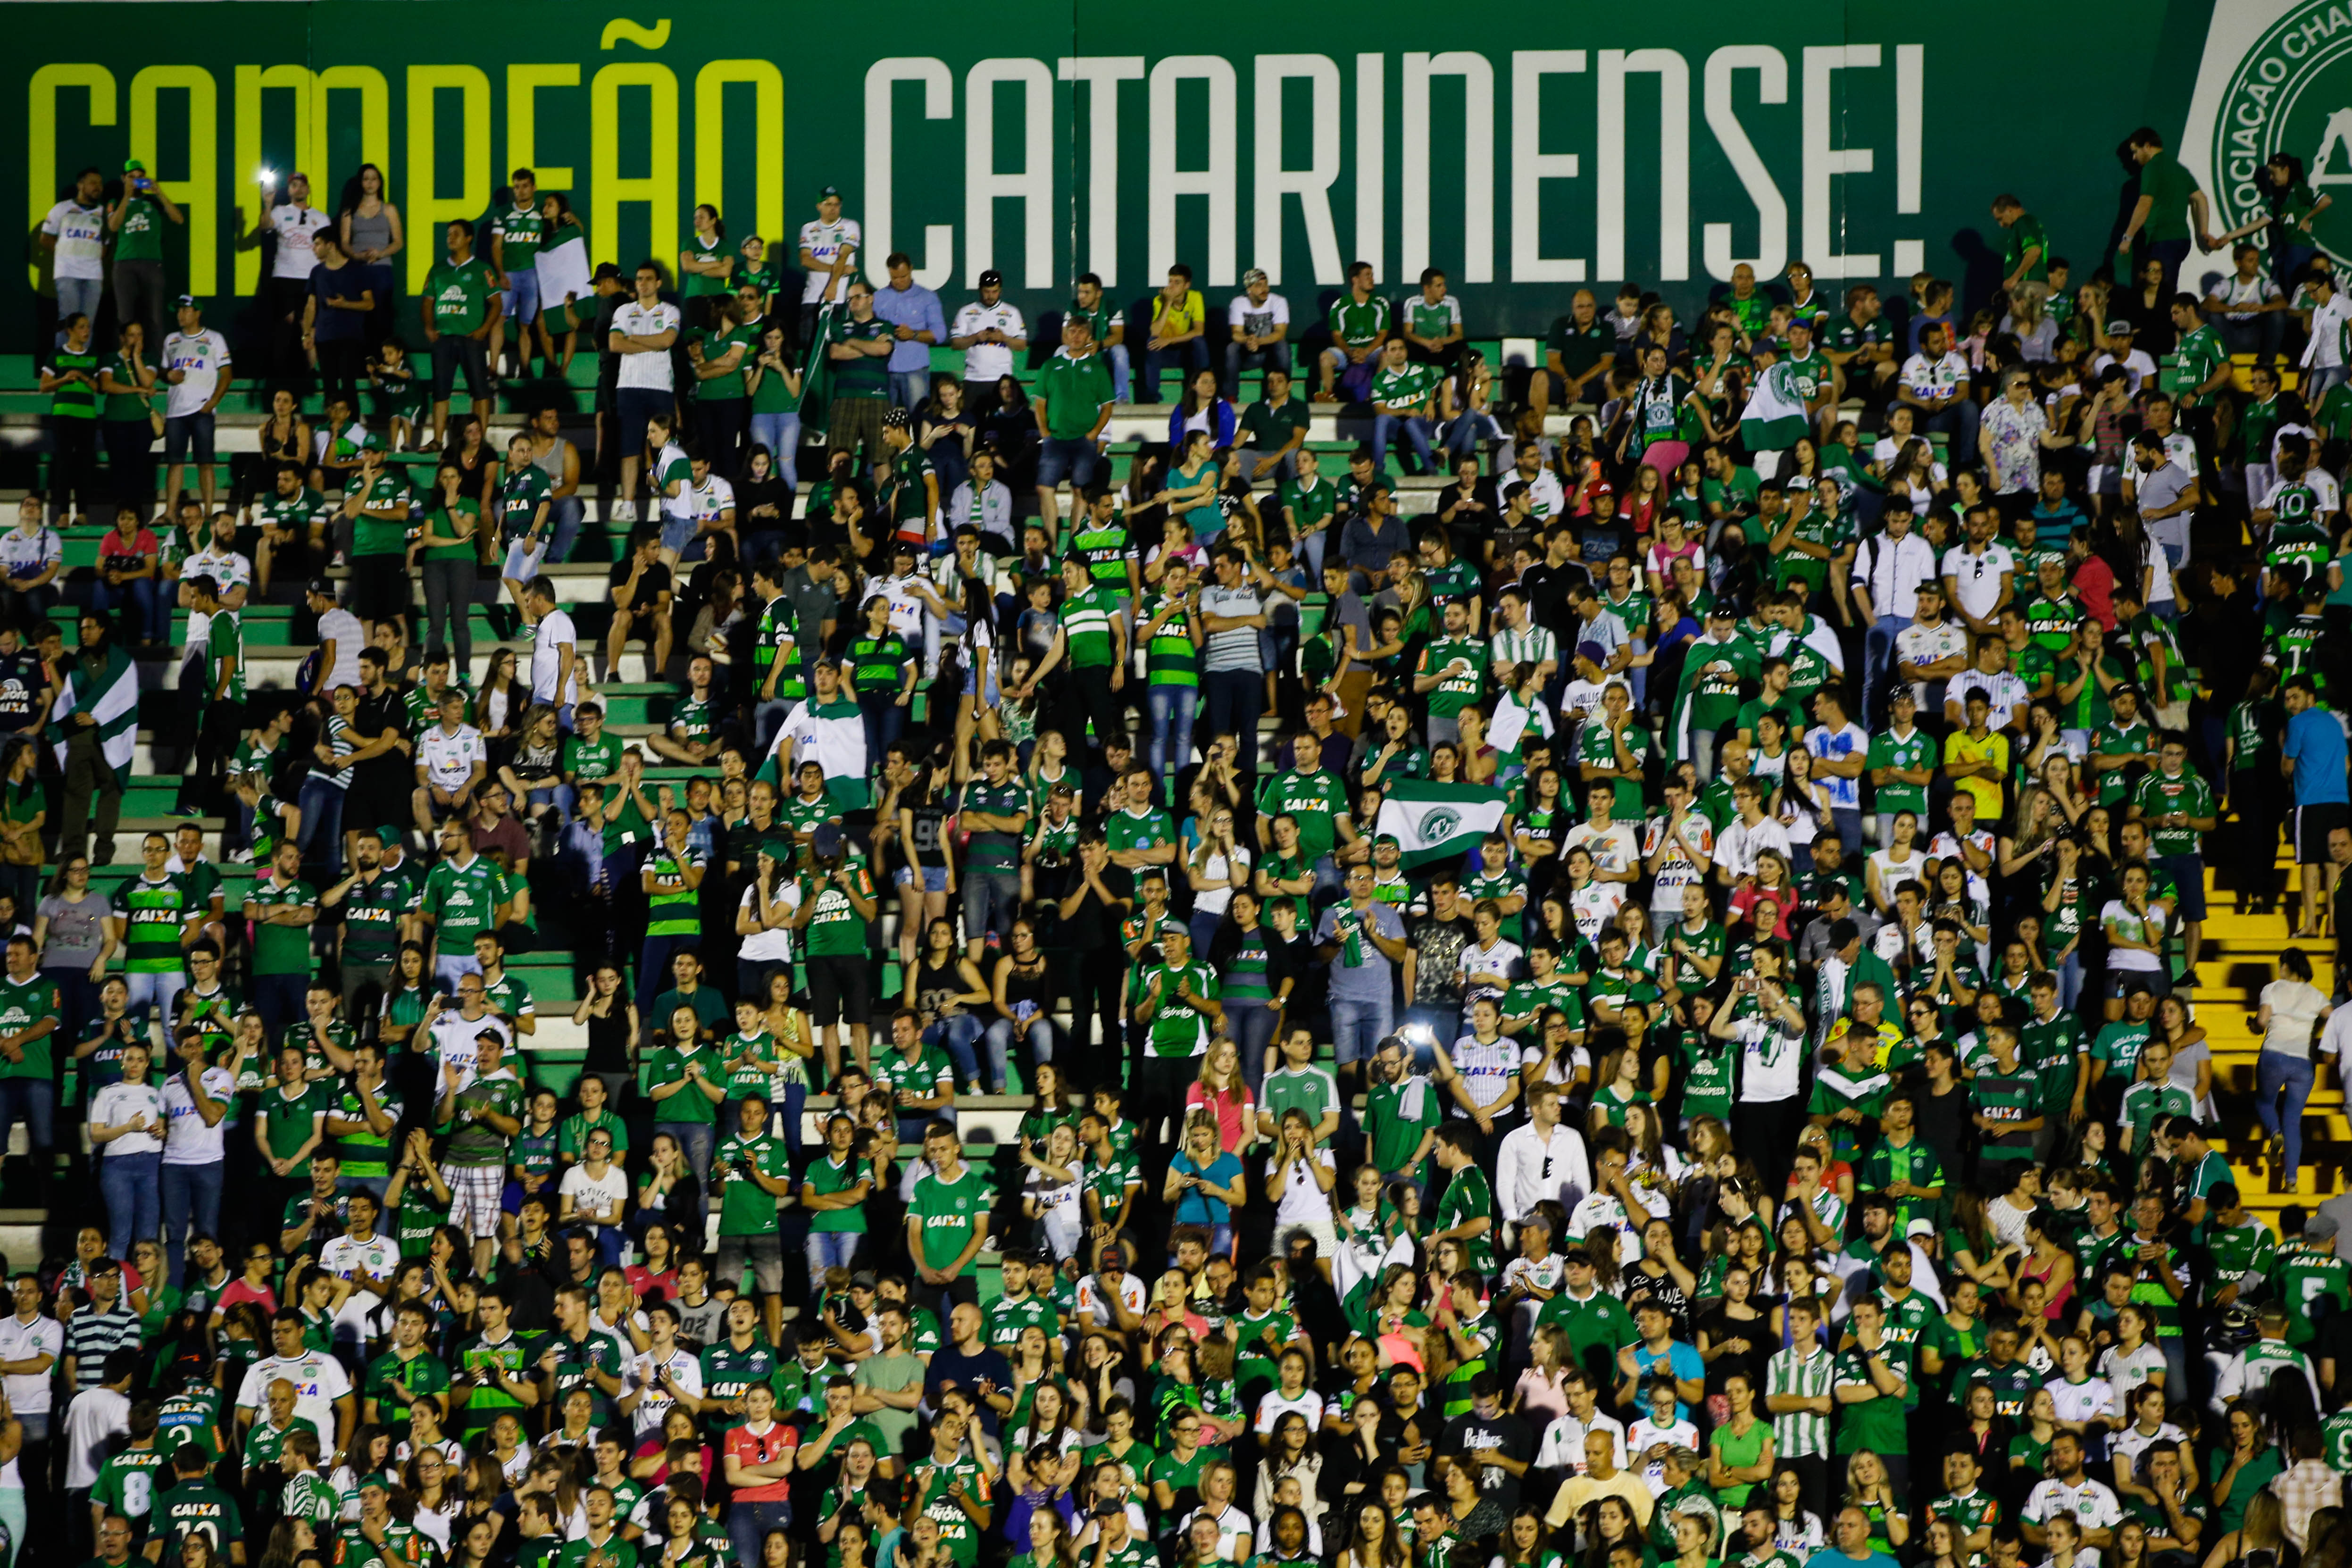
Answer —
(75, 234)
(821, 241)
(2137, 367)
(554, 651)
(643, 332)
(1935, 381)
(1259, 320)
(2323, 355)
(451, 763)
(340, 638)
(195, 365)
(1980, 575)
(990, 331)
(294, 223)
(322, 1390)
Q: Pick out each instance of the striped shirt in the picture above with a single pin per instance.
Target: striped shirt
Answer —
(92, 1336)
(1799, 1435)
(1533, 646)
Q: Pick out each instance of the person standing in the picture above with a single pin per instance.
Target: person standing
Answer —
(2158, 227)
(136, 221)
(834, 239)
(296, 226)
(75, 236)
(196, 1101)
(990, 331)
(2313, 758)
(197, 368)
(460, 309)
(69, 375)
(1073, 404)
(913, 313)
(126, 1122)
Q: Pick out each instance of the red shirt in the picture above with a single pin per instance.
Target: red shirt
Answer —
(2095, 585)
(238, 1291)
(750, 1447)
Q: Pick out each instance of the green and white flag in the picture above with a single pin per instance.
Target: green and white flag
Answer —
(1775, 416)
(1439, 821)
(111, 701)
(816, 372)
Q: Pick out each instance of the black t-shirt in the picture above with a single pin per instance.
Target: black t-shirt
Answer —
(344, 282)
(1547, 587)
(951, 1368)
(651, 584)
(1474, 1434)
(373, 716)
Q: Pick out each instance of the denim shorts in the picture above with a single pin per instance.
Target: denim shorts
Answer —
(182, 431)
(522, 301)
(677, 533)
(935, 877)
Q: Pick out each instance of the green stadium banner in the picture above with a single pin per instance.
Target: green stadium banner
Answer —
(1522, 151)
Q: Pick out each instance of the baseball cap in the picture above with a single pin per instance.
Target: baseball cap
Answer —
(862, 1280)
(896, 419)
(189, 302)
(130, 163)
(372, 442)
(2120, 328)
(605, 269)
(1591, 650)
(828, 190)
(991, 279)
(1920, 1227)
(390, 836)
(1174, 928)
(323, 586)
(826, 841)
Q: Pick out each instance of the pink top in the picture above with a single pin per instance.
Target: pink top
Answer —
(1236, 1115)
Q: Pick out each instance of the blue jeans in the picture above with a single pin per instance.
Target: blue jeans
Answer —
(991, 903)
(885, 720)
(1273, 356)
(1171, 728)
(1878, 665)
(957, 1036)
(748, 1525)
(1190, 357)
(1122, 378)
(34, 1101)
(1958, 422)
(322, 838)
(149, 622)
(1359, 1028)
(1251, 1023)
(1045, 1036)
(2277, 1073)
(79, 296)
(781, 434)
(1415, 429)
(908, 388)
(134, 1212)
(567, 512)
(830, 1249)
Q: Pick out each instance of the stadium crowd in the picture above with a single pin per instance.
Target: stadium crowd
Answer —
(1639, 1006)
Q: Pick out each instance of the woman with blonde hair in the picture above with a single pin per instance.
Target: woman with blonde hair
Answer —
(1220, 1092)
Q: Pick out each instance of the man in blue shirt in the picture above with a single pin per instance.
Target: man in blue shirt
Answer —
(2313, 758)
(1851, 1531)
(917, 321)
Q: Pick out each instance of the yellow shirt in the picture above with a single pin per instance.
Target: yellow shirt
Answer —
(1169, 321)
(1993, 749)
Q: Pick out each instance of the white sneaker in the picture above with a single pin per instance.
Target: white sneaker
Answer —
(625, 511)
